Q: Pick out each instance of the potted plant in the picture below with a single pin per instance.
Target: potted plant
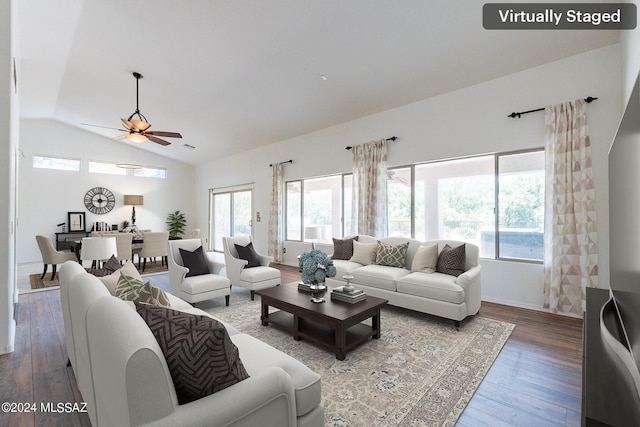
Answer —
(177, 223)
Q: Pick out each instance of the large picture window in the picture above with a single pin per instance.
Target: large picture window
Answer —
(494, 201)
(231, 216)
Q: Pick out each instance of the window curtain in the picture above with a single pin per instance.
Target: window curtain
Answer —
(276, 232)
(570, 241)
(369, 205)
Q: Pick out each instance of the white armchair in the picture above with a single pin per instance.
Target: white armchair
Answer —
(195, 288)
(253, 278)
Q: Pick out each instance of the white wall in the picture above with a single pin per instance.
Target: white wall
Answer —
(47, 195)
(9, 103)
(630, 41)
(461, 123)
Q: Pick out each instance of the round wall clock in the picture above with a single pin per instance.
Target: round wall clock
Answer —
(99, 200)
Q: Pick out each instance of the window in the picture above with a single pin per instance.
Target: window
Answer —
(110, 168)
(455, 199)
(58, 163)
(231, 214)
(315, 202)
(149, 172)
(399, 202)
(521, 184)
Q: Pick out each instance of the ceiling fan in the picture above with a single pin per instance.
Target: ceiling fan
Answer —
(137, 127)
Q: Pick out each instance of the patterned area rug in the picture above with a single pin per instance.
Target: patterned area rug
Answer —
(421, 372)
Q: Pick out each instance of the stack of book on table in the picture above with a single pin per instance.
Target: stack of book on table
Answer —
(352, 297)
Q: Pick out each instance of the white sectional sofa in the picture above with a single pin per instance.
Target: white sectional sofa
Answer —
(125, 380)
(434, 293)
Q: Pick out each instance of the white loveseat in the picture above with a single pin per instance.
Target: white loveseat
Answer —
(123, 376)
(435, 293)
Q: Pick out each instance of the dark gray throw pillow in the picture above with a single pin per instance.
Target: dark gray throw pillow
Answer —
(249, 254)
(107, 268)
(201, 357)
(343, 248)
(452, 260)
(195, 261)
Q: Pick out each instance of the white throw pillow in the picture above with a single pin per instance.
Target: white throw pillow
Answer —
(364, 253)
(425, 259)
(111, 281)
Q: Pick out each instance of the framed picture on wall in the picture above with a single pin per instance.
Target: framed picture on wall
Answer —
(76, 221)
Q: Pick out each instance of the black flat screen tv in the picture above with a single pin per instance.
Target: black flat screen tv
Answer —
(620, 321)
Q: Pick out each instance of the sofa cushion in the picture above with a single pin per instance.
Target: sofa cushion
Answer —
(200, 355)
(344, 267)
(364, 253)
(249, 254)
(343, 248)
(259, 274)
(452, 260)
(392, 255)
(111, 281)
(194, 261)
(426, 259)
(378, 276)
(258, 356)
(204, 283)
(437, 286)
(132, 289)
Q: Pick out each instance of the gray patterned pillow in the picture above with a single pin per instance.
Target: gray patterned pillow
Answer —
(452, 261)
(343, 248)
(201, 357)
(132, 289)
(392, 255)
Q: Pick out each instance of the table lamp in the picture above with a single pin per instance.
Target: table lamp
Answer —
(133, 201)
(97, 249)
(312, 233)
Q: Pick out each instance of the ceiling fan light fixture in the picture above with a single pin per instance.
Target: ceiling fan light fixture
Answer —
(136, 137)
(140, 125)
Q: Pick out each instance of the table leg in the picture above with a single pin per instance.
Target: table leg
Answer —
(265, 314)
(296, 327)
(375, 324)
(341, 342)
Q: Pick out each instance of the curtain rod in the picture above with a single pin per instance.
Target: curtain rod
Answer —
(281, 163)
(393, 138)
(588, 100)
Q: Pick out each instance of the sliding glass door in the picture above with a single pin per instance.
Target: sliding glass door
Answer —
(230, 215)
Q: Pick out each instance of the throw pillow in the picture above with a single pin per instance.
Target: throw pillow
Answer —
(343, 248)
(195, 261)
(452, 260)
(392, 255)
(249, 254)
(426, 259)
(111, 281)
(107, 268)
(364, 253)
(201, 357)
(132, 289)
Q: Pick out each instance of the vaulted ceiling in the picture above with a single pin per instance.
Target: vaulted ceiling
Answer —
(234, 75)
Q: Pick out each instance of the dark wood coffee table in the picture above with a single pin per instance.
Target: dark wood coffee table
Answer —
(334, 324)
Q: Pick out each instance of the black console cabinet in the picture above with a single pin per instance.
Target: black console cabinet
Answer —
(62, 243)
(609, 397)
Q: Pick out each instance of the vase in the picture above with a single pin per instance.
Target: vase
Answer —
(317, 292)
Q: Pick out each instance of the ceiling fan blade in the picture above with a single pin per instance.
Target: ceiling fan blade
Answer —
(165, 134)
(119, 137)
(158, 140)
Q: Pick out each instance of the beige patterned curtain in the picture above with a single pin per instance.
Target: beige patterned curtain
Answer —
(276, 232)
(571, 253)
(369, 208)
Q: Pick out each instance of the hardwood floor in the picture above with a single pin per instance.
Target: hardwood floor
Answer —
(535, 381)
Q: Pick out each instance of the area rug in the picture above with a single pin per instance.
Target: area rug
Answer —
(37, 283)
(422, 371)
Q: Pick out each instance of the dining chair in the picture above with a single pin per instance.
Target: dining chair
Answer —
(51, 256)
(154, 244)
